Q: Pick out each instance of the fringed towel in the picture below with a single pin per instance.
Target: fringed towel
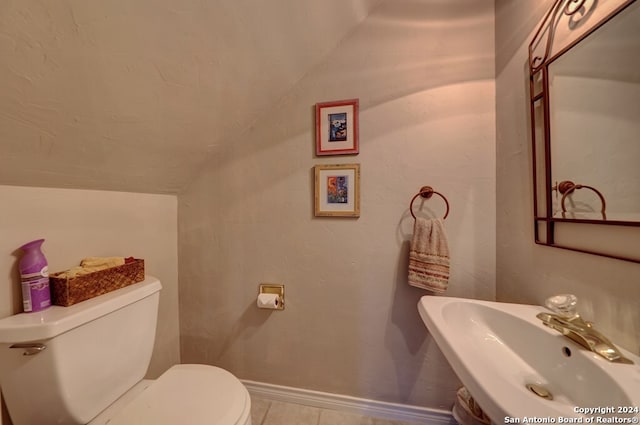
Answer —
(429, 256)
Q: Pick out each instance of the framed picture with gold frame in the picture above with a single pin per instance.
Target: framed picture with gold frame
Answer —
(337, 127)
(337, 190)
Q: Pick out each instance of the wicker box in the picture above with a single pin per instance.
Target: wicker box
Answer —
(69, 291)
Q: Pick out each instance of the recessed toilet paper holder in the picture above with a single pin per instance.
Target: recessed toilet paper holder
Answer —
(273, 288)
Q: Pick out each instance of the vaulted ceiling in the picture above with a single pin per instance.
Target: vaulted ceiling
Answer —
(135, 95)
(140, 95)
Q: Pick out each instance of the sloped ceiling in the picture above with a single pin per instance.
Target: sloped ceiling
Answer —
(135, 95)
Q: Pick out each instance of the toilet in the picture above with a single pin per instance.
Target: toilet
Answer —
(85, 364)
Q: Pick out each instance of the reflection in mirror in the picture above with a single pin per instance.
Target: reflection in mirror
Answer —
(538, 113)
(567, 188)
(584, 65)
(594, 104)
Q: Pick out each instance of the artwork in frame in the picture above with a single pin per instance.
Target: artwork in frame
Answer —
(337, 127)
(337, 190)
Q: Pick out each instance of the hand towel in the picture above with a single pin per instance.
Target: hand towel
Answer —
(101, 263)
(429, 256)
(90, 265)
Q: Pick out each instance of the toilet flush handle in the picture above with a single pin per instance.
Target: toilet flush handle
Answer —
(30, 348)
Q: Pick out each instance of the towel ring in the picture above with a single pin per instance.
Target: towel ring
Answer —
(567, 187)
(427, 192)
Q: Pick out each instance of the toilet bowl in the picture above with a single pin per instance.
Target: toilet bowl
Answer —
(184, 394)
(85, 364)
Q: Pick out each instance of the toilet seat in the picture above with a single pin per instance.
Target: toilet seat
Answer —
(189, 394)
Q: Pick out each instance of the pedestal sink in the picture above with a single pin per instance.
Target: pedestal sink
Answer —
(520, 371)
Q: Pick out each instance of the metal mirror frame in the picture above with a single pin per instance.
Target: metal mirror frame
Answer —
(544, 221)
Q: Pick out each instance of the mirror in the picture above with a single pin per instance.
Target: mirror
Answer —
(584, 65)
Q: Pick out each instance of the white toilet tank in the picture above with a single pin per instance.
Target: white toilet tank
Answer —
(94, 352)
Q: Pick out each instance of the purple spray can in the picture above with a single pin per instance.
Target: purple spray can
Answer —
(34, 276)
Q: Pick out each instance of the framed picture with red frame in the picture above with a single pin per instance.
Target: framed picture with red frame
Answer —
(337, 127)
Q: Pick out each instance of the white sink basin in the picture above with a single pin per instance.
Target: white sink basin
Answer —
(497, 349)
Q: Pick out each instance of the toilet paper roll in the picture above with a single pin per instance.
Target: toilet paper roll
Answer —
(271, 301)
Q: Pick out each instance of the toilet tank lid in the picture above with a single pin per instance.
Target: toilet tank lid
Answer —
(55, 320)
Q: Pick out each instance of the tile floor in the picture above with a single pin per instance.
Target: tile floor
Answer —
(268, 412)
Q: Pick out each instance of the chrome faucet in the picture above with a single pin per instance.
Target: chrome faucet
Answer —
(568, 322)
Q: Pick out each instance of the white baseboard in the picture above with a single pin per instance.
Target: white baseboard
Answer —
(343, 403)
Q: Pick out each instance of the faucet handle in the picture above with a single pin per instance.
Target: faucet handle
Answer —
(564, 305)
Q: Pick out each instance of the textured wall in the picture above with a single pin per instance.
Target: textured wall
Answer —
(423, 72)
(80, 223)
(134, 95)
(608, 289)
